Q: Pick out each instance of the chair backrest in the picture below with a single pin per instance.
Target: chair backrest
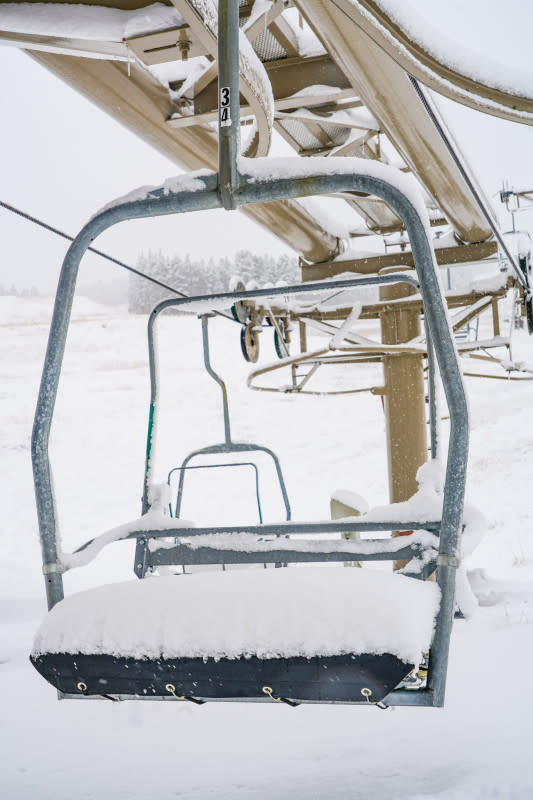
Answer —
(214, 466)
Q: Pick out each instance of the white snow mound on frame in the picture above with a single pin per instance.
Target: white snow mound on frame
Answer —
(86, 22)
(264, 613)
(473, 61)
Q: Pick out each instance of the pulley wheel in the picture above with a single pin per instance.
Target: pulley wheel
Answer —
(239, 310)
(280, 352)
(278, 346)
(249, 343)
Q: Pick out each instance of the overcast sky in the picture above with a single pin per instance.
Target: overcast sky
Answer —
(55, 167)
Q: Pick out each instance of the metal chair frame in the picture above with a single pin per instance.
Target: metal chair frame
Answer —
(228, 446)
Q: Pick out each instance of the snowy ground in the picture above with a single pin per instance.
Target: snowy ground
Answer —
(479, 746)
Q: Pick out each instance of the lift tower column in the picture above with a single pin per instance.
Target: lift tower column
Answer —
(404, 396)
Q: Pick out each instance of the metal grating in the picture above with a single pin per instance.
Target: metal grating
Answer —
(268, 48)
(337, 133)
(301, 135)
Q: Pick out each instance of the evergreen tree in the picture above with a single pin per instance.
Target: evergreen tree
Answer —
(196, 277)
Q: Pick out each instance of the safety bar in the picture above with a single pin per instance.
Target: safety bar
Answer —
(166, 529)
(270, 544)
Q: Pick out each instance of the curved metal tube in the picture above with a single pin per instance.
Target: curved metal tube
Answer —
(234, 447)
(417, 60)
(216, 378)
(158, 202)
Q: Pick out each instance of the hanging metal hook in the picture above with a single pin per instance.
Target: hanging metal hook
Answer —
(367, 693)
(270, 693)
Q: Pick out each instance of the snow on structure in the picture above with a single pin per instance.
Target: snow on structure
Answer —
(250, 65)
(478, 66)
(264, 613)
(260, 170)
(259, 8)
(87, 22)
(490, 74)
(350, 499)
(148, 522)
(189, 182)
(248, 542)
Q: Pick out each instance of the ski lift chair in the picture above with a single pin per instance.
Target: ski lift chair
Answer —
(68, 655)
(227, 447)
(291, 635)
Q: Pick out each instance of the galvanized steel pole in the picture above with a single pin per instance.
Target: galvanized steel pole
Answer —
(405, 412)
(228, 100)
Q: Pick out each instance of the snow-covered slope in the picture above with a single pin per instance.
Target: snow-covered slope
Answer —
(478, 747)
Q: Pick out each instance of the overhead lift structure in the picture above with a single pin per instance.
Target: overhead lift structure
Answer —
(343, 79)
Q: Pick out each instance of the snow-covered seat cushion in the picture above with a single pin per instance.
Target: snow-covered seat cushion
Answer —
(299, 611)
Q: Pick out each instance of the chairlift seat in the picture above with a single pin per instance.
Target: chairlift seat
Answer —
(310, 634)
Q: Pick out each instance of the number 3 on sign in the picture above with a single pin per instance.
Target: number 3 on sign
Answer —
(224, 112)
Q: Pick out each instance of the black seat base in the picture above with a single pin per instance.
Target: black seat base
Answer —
(339, 678)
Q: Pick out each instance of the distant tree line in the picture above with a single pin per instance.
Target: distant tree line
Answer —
(194, 277)
(14, 292)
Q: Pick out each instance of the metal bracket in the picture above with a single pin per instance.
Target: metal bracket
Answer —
(447, 560)
(53, 568)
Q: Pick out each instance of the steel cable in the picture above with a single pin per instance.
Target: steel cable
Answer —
(100, 253)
